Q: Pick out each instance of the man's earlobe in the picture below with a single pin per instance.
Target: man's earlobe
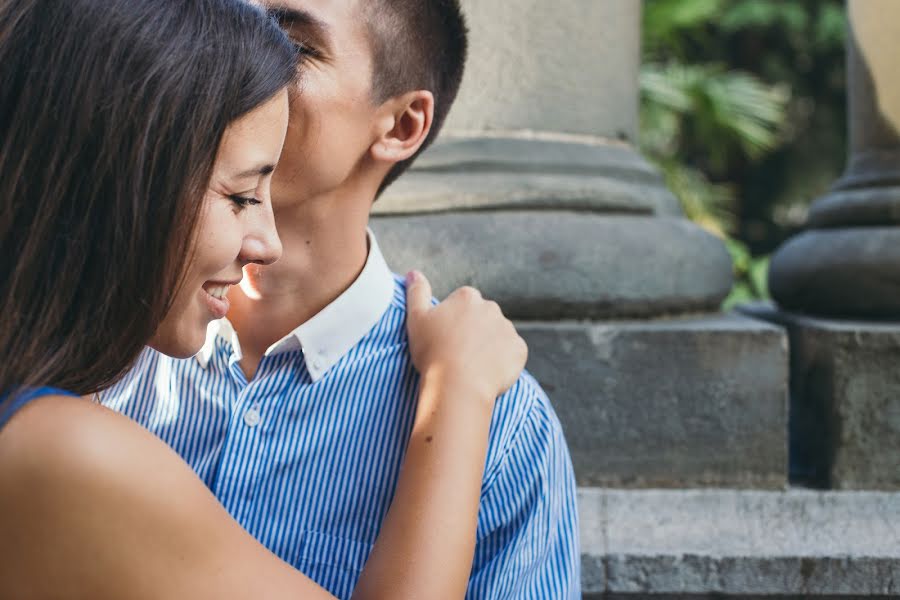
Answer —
(408, 118)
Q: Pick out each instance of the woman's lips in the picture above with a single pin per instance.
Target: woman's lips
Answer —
(215, 294)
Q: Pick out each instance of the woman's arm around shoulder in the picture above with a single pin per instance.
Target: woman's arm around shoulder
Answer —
(93, 506)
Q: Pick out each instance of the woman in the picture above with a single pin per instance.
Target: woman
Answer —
(137, 141)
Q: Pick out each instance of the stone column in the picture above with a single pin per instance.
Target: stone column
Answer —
(838, 283)
(847, 263)
(536, 195)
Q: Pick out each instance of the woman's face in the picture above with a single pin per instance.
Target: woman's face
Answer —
(236, 227)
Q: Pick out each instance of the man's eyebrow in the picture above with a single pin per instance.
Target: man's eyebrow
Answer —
(256, 171)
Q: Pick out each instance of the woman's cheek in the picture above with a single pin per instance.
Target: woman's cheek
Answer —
(224, 235)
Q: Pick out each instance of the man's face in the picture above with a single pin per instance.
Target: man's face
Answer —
(331, 110)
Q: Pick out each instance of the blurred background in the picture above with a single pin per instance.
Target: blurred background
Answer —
(743, 109)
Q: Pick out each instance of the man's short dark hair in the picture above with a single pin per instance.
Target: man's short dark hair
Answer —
(416, 45)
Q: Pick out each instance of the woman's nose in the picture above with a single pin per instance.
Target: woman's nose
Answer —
(262, 246)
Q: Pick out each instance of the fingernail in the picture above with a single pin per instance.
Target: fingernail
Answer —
(411, 277)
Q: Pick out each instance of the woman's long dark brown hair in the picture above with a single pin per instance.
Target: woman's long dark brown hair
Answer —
(111, 114)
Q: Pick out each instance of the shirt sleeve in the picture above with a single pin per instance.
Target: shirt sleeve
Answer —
(528, 545)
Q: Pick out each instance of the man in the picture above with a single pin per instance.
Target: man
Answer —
(297, 412)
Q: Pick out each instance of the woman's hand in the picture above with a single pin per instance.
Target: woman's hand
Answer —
(464, 339)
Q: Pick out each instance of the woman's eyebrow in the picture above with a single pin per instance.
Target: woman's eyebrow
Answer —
(256, 171)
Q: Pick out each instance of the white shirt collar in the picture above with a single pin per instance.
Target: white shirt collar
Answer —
(218, 329)
(337, 328)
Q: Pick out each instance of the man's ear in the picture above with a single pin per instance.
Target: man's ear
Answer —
(403, 125)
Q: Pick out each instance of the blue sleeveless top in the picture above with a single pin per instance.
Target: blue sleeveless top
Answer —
(24, 398)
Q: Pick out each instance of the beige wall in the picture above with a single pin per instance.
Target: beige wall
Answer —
(875, 101)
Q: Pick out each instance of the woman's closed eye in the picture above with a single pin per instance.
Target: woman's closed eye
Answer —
(242, 202)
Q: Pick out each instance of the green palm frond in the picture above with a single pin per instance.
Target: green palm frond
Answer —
(750, 111)
(724, 110)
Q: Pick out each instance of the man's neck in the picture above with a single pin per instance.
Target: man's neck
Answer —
(325, 250)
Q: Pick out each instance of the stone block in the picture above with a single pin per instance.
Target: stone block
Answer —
(673, 403)
(845, 400)
(739, 543)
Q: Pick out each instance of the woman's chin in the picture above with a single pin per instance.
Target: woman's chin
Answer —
(179, 345)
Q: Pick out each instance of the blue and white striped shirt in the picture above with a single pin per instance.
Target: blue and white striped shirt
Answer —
(306, 456)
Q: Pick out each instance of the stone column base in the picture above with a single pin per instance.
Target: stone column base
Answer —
(558, 264)
(551, 226)
(698, 401)
(840, 272)
(845, 400)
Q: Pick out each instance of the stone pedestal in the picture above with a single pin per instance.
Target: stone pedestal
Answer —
(536, 195)
(845, 401)
(673, 403)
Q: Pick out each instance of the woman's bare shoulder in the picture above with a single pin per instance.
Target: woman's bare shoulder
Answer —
(57, 432)
(116, 513)
(64, 440)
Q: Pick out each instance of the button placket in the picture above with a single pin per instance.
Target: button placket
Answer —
(248, 416)
(245, 412)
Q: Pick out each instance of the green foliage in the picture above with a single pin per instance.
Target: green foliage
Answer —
(725, 112)
(831, 27)
(765, 13)
(706, 203)
(666, 20)
(750, 275)
(737, 101)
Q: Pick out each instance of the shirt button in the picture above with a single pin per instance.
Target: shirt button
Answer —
(251, 417)
(316, 365)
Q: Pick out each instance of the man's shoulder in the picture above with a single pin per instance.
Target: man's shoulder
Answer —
(523, 417)
(526, 394)
(526, 399)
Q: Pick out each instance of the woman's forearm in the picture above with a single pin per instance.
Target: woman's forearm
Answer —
(427, 542)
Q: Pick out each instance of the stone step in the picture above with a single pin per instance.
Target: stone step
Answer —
(674, 403)
(739, 543)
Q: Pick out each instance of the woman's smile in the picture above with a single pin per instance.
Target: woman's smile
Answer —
(215, 294)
